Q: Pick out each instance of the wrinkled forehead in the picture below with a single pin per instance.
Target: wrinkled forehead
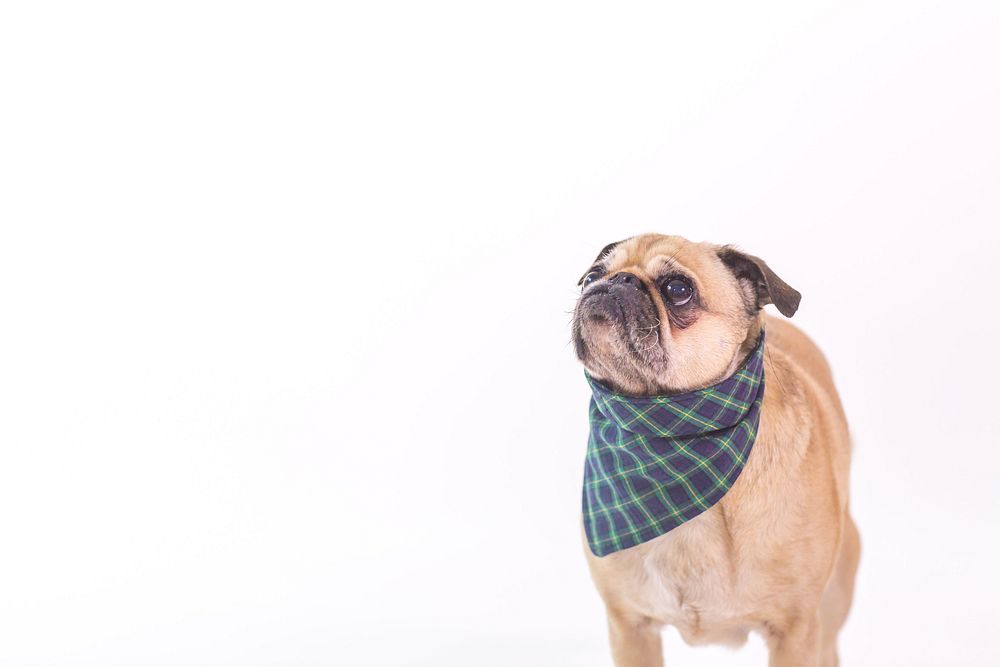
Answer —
(654, 255)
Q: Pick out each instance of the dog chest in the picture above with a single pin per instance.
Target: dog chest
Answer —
(687, 579)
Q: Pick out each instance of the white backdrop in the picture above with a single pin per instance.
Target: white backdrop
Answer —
(284, 365)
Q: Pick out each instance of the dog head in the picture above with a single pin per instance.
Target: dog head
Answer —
(660, 314)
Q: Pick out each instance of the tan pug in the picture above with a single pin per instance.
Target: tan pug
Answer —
(778, 553)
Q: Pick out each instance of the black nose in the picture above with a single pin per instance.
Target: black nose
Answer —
(624, 278)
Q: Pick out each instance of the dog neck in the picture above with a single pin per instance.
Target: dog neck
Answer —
(745, 348)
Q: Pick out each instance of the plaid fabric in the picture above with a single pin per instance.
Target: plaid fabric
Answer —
(655, 462)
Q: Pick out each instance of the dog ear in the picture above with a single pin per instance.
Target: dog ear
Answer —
(767, 285)
(601, 255)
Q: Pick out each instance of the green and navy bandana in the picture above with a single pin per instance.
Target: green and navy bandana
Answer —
(654, 462)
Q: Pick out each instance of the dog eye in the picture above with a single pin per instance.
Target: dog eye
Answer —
(591, 277)
(678, 291)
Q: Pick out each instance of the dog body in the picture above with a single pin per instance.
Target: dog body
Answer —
(779, 552)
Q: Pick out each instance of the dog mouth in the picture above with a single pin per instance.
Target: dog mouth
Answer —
(602, 308)
(613, 327)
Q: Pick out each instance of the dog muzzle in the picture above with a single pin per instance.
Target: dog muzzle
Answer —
(654, 462)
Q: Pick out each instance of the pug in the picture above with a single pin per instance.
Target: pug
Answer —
(661, 317)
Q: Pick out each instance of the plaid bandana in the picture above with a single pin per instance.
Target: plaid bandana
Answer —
(655, 462)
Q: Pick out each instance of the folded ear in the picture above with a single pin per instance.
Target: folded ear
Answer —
(768, 287)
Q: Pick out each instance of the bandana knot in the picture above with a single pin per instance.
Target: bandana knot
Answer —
(654, 462)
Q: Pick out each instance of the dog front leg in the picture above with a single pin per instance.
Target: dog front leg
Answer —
(635, 641)
(796, 646)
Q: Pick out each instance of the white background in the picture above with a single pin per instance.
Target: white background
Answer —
(284, 289)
